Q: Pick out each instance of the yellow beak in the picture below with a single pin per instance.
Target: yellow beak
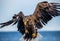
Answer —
(25, 23)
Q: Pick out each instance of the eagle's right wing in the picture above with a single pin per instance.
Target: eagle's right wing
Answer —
(14, 20)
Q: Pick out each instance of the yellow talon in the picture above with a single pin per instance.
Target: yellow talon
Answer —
(26, 31)
(34, 35)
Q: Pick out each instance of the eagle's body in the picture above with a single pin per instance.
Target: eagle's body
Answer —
(28, 25)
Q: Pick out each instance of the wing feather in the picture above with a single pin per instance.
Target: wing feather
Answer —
(6, 23)
(14, 20)
(46, 11)
(49, 12)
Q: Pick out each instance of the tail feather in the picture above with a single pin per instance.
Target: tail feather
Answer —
(39, 36)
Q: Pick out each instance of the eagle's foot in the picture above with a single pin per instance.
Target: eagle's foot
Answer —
(26, 31)
(34, 35)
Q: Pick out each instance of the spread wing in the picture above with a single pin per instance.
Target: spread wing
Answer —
(45, 11)
(14, 20)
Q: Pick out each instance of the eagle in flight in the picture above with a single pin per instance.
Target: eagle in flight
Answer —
(29, 25)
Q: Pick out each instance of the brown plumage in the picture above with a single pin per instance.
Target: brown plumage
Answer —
(28, 25)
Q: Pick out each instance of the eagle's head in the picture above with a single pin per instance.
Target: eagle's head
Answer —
(28, 21)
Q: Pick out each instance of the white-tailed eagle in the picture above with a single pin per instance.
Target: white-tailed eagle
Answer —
(28, 25)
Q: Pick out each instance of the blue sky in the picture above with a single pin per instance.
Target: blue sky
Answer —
(10, 7)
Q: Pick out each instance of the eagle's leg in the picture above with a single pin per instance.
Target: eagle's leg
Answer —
(30, 33)
(26, 34)
(26, 31)
(34, 34)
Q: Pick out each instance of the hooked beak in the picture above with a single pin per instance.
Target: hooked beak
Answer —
(25, 22)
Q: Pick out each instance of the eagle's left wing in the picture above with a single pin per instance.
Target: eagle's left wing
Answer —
(44, 12)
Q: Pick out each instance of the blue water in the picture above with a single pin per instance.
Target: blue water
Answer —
(15, 36)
